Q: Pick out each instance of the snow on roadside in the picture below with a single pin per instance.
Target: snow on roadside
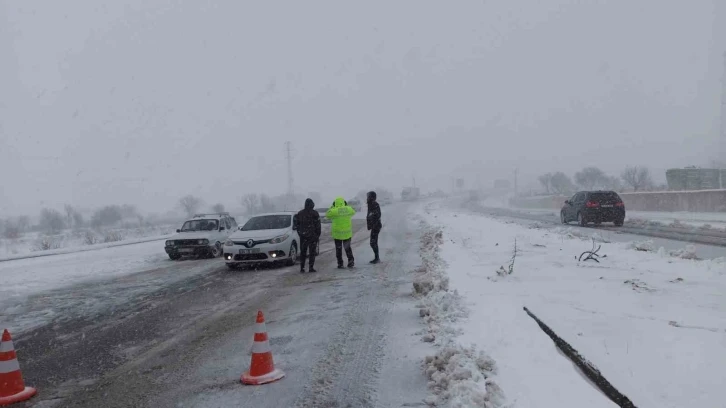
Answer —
(653, 324)
(458, 376)
(28, 277)
(34, 244)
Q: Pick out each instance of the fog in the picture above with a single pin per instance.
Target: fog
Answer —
(144, 101)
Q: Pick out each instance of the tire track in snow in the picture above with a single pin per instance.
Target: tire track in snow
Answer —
(347, 373)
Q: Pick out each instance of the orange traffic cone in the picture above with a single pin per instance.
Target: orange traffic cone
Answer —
(262, 369)
(12, 387)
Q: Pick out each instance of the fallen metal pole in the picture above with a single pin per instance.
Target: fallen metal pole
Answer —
(585, 366)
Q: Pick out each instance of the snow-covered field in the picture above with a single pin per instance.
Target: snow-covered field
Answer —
(34, 244)
(654, 325)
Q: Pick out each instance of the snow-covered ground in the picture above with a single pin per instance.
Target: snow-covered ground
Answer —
(35, 244)
(655, 325)
(26, 278)
(30, 276)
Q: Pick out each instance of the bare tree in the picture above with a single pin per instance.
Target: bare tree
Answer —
(591, 177)
(69, 211)
(218, 208)
(637, 177)
(561, 184)
(613, 183)
(546, 181)
(23, 222)
(77, 220)
(190, 204)
(10, 229)
(106, 216)
(251, 202)
(51, 221)
(128, 211)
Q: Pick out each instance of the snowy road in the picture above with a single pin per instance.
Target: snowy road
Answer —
(178, 334)
(709, 243)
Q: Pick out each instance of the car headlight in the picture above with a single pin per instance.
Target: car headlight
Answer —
(228, 243)
(169, 243)
(279, 239)
(203, 241)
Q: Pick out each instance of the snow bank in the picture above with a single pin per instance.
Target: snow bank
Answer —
(653, 324)
(458, 376)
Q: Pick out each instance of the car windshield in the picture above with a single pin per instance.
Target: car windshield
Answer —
(608, 196)
(200, 225)
(265, 222)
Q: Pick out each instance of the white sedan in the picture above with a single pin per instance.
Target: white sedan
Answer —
(264, 238)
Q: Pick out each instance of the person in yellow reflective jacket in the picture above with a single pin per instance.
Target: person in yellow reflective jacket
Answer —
(340, 214)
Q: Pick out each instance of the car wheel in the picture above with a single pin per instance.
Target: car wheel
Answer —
(232, 267)
(216, 250)
(174, 257)
(562, 217)
(292, 259)
(581, 220)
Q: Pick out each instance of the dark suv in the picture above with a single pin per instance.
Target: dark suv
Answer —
(594, 206)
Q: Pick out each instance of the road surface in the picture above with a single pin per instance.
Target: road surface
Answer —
(342, 337)
(708, 244)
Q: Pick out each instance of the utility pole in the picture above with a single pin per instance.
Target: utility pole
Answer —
(288, 156)
(516, 190)
(722, 135)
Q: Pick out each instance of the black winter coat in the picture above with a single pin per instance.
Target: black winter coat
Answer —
(307, 221)
(374, 216)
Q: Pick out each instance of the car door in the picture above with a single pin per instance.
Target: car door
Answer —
(227, 229)
(569, 208)
(579, 203)
(220, 234)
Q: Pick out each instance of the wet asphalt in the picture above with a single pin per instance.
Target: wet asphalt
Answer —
(108, 358)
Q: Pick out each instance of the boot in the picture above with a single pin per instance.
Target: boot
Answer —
(351, 264)
(311, 270)
(302, 269)
(376, 259)
(340, 266)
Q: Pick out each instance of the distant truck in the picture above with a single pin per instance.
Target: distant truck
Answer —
(410, 194)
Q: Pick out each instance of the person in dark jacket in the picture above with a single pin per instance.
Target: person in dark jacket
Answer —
(307, 224)
(374, 223)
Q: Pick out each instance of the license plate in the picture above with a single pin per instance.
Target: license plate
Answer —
(249, 251)
(185, 250)
(607, 206)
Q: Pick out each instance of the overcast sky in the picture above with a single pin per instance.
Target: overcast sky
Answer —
(143, 101)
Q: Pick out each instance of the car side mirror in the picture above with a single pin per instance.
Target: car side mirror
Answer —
(178, 230)
(567, 202)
